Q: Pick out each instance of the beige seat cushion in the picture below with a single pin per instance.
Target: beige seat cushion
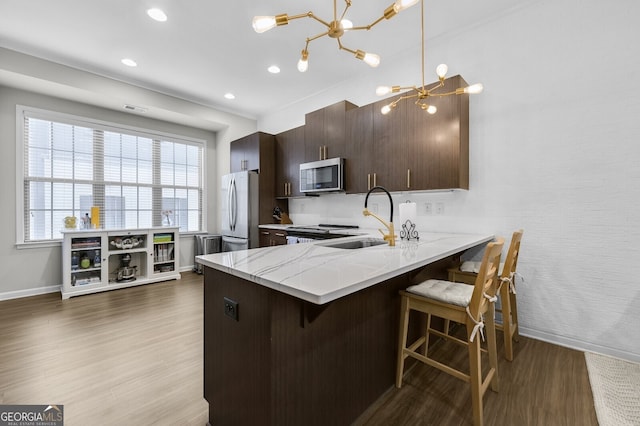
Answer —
(472, 266)
(458, 294)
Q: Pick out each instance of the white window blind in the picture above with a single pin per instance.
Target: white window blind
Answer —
(138, 179)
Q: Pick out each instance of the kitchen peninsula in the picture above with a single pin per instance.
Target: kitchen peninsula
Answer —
(307, 333)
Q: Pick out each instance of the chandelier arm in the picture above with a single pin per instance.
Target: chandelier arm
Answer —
(422, 38)
(368, 27)
(409, 88)
(434, 88)
(301, 15)
(342, 47)
(348, 4)
(402, 98)
(387, 14)
(311, 15)
(440, 95)
(317, 36)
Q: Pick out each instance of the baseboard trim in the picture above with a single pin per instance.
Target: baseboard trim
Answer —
(18, 294)
(579, 345)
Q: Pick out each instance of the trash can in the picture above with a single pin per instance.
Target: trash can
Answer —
(205, 244)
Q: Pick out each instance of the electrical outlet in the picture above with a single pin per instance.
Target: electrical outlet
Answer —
(231, 308)
(373, 208)
(439, 208)
(427, 208)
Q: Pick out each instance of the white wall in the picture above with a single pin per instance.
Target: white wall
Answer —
(553, 149)
(36, 270)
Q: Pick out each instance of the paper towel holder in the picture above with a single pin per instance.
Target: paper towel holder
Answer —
(408, 231)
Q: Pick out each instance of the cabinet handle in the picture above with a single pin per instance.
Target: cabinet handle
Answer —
(368, 181)
(408, 178)
(265, 232)
(375, 179)
(320, 152)
(289, 188)
(325, 152)
(280, 235)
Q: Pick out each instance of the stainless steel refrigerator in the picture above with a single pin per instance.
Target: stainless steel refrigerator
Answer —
(240, 211)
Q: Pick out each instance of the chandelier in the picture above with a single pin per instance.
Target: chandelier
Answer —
(335, 29)
(422, 94)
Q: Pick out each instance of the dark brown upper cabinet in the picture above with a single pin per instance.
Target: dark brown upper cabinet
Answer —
(360, 150)
(257, 152)
(325, 132)
(289, 154)
(405, 150)
(409, 149)
(436, 147)
(245, 153)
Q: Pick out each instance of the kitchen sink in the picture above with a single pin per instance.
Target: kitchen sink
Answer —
(356, 244)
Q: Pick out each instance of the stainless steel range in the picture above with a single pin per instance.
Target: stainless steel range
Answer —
(323, 231)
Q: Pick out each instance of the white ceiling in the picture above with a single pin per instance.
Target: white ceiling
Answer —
(208, 48)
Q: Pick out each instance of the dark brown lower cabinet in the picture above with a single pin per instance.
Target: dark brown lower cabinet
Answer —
(285, 361)
(272, 237)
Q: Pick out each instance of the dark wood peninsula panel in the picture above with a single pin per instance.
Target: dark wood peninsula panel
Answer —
(286, 361)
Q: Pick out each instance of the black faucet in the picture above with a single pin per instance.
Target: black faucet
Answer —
(391, 236)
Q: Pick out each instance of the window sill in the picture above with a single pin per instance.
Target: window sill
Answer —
(38, 244)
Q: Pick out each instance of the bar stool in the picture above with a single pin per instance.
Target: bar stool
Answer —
(506, 291)
(464, 304)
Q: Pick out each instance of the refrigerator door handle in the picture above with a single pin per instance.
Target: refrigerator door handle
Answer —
(229, 208)
(233, 204)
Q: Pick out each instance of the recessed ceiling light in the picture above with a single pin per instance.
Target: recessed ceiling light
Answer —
(157, 14)
(273, 69)
(129, 62)
(229, 96)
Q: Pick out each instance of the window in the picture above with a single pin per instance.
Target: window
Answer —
(137, 178)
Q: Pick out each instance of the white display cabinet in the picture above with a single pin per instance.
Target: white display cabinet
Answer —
(101, 260)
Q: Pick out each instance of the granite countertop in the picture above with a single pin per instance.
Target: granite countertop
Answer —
(320, 274)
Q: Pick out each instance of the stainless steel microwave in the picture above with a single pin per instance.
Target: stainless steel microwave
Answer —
(322, 176)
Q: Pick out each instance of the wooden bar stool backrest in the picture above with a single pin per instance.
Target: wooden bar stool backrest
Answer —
(486, 285)
(463, 304)
(511, 261)
(507, 294)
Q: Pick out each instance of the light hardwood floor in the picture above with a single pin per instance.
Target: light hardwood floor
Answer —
(134, 357)
(124, 357)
